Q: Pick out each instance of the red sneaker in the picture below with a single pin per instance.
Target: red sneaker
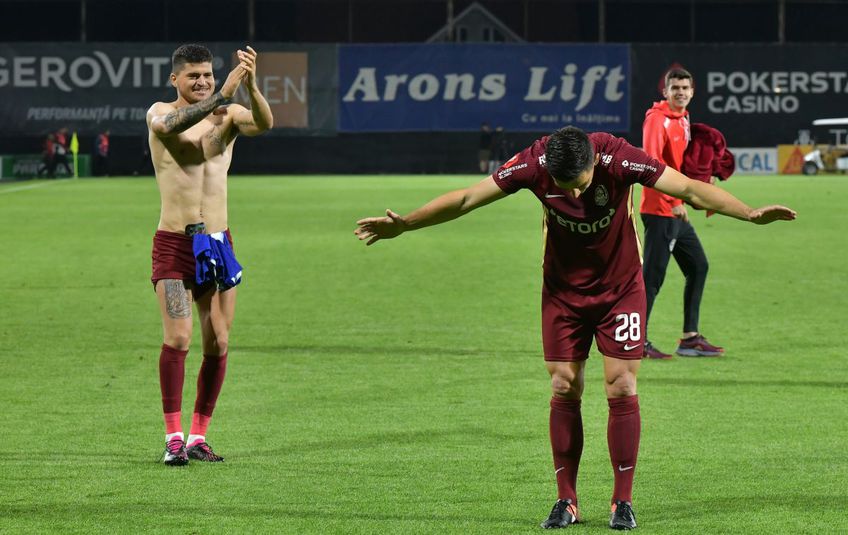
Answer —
(697, 346)
(652, 352)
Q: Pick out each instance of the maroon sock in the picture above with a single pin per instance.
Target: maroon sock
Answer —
(171, 375)
(209, 383)
(567, 445)
(623, 431)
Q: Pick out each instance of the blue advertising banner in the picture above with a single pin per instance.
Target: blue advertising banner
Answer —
(456, 87)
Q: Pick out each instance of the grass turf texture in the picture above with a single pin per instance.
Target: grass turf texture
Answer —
(401, 388)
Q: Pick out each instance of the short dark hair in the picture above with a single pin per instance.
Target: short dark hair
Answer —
(189, 54)
(568, 153)
(678, 73)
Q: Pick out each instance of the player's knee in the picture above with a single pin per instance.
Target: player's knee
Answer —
(621, 385)
(223, 343)
(565, 387)
(178, 340)
(218, 344)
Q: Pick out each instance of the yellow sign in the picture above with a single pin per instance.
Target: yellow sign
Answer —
(790, 158)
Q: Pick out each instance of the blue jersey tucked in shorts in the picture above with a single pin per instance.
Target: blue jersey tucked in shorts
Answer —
(215, 261)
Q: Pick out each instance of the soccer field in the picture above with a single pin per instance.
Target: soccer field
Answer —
(400, 388)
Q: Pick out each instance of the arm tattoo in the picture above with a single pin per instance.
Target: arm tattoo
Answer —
(176, 299)
(184, 118)
(215, 137)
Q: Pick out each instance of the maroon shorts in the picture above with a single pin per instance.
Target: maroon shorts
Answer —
(615, 319)
(173, 258)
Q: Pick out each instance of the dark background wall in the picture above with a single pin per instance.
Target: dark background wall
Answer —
(381, 21)
(778, 22)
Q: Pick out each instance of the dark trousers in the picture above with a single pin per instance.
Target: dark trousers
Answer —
(100, 165)
(664, 237)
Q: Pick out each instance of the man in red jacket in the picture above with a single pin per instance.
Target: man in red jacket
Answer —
(665, 135)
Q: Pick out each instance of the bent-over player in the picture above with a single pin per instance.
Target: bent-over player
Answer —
(592, 282)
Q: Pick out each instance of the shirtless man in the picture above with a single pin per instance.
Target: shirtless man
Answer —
(191, 145)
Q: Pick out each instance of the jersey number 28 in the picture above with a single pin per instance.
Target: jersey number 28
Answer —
(629, 328)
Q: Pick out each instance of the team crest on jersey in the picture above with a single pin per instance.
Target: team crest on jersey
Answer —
(601, 195)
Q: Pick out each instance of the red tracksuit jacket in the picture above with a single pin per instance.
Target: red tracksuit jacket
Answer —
(665, 135)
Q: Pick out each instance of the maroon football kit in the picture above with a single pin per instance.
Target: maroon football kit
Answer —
(592, 264)
(173, 258)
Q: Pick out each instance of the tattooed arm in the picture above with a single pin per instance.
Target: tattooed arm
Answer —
(165, 120)
(181, 119)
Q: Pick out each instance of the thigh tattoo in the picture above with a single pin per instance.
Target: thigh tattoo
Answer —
(176, 299)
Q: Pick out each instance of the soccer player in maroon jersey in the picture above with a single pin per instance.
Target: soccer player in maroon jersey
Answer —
(592, 284)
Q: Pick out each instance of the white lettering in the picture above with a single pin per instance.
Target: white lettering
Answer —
(583, 227)
(21, 70)
(289, 86)
(753, 104)
(79, 64)
(52, 69)
(366, 83)
(614, 78)
(137, 72)
(566, 92)
(738, 82)
(534, 91)
(493, 87)
(156, 66)
(270, 89)
(393, 82)
(461, 84)
(759, 83)
(423, 87)
(592, 75)
(779, 81)
(715, 80)
(115, 76)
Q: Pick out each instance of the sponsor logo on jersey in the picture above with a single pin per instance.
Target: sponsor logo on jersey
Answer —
(582, 227)
(638, 167)
(503, 173)
(601, 195)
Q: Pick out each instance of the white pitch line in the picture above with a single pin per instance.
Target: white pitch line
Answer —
(30, 186)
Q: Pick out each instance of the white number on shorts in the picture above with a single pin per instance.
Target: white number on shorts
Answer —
(629, 328)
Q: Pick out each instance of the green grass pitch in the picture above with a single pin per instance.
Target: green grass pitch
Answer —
(400, 388)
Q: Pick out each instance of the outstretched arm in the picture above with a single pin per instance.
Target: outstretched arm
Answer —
(258, 118)
(709, 197)
(440, 210)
